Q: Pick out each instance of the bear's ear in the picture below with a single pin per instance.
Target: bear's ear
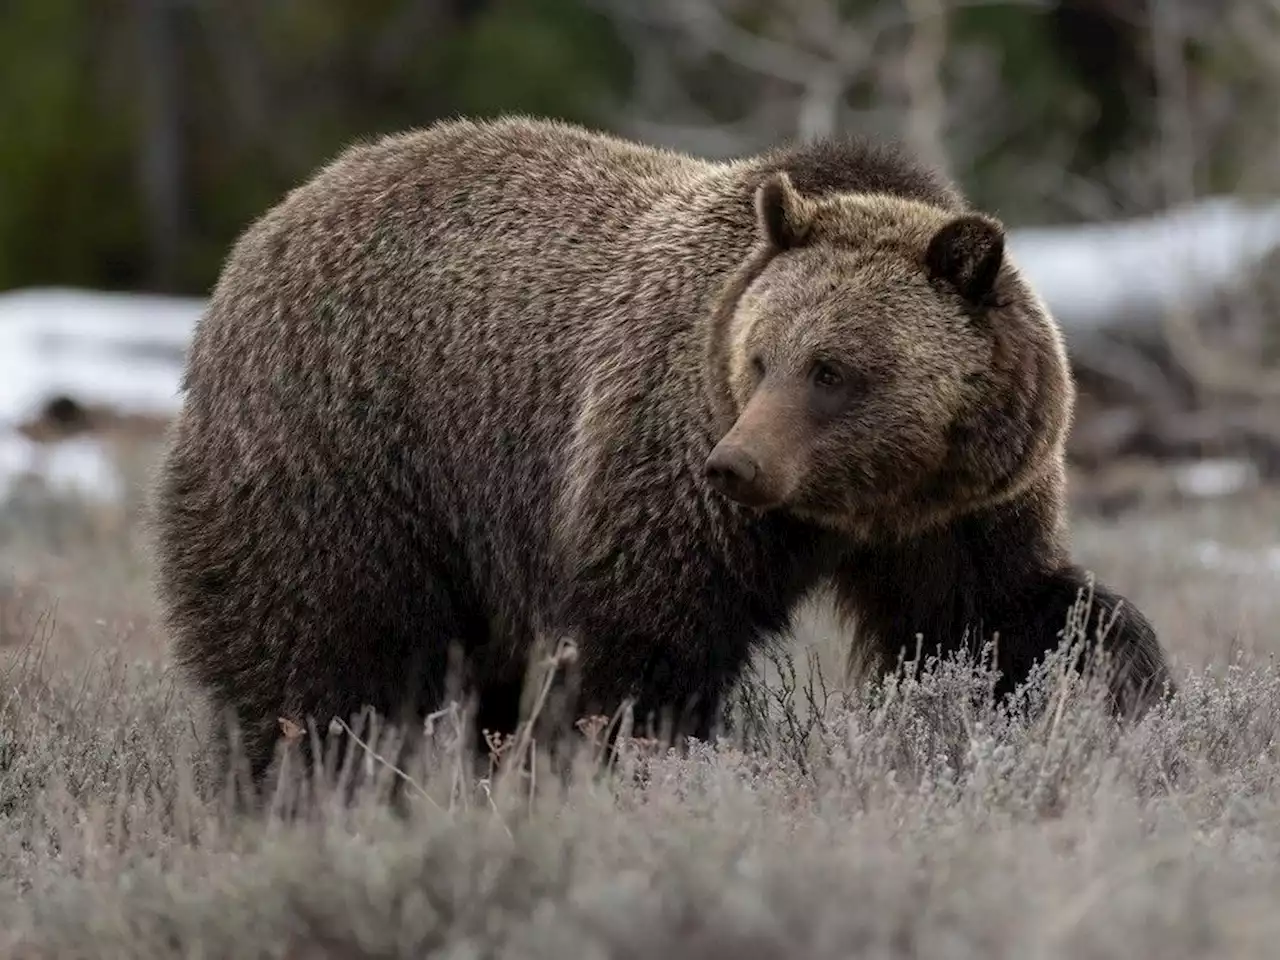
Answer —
(967, 253)
(783, 214)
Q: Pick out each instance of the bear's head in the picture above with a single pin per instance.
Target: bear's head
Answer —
(880, 366)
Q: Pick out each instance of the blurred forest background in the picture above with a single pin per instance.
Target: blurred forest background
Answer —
(144, 134)
(141, 136)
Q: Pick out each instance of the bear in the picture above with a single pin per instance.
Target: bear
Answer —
(490, 381)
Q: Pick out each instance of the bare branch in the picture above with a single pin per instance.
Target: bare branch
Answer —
(926, 100)
(705, 25)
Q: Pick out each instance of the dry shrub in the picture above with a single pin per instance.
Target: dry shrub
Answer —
(914, 818)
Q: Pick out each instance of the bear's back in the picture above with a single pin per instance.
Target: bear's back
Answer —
(499, 177)
(412, 333)
(460, 237)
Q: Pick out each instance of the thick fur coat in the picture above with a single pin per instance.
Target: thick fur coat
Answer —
(486, 383)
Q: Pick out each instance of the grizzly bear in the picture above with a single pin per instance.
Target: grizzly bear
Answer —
(488, 382)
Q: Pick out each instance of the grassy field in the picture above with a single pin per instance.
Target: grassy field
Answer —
(922, 822)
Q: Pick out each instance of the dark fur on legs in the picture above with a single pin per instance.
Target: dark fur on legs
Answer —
(1004, 574)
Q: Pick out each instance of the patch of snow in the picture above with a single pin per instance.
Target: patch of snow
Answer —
(116, 349)
(1216, 556)
(78, 465)
(1215, 478)
(124, 351)
(1089, 274)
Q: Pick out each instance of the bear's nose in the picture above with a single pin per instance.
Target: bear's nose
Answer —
(733, 472)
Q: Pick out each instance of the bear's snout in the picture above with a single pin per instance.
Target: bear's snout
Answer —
(735, 473)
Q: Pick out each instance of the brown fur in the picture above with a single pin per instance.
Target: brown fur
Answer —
(462, 388)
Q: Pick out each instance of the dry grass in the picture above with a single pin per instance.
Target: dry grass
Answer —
(918, 822)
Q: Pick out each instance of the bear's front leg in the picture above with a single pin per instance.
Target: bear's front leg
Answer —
(1004, 572)
(1034, 625)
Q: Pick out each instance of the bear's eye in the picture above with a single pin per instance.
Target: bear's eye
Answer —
(827, 376)
(832, 388)
(757, 366)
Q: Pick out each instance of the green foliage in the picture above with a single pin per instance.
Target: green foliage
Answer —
(64, 148)
(555, 57)
(264, 93)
